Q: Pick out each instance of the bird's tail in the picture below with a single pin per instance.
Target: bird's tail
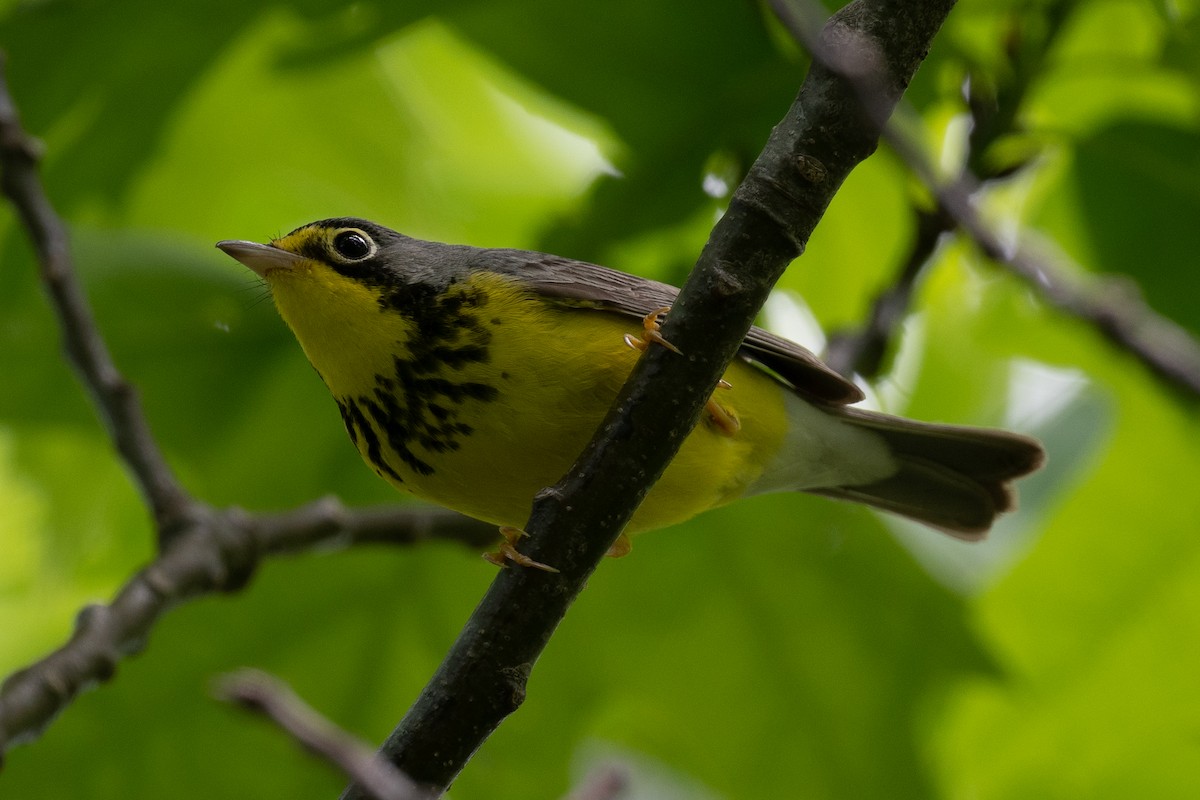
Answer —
(952, 478)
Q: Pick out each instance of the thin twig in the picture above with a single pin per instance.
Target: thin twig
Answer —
(1113, 306)
(862, 351)
(767, 224)
(263, 694)
(994, 112)
(326, 523)
(115, 397)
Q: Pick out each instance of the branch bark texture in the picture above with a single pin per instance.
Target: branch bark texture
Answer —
(825, 133)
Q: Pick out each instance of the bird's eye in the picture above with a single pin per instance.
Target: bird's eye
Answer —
(353, 245)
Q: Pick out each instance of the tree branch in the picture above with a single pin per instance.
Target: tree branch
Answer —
(862, 352)
(266, 695)
(262, 694)
(1113, 306)
(114, 396)
(768, 222)
(219, 552)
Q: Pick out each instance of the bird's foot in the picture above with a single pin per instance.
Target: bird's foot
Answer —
(650, 326)
(722, 418)
(507, 551)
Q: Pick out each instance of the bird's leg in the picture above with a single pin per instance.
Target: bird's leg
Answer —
(650, 326)
(507, 551)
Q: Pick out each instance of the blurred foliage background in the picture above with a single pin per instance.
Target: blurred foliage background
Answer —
(782, 647)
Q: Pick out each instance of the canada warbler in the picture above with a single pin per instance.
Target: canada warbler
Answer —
(473, 377)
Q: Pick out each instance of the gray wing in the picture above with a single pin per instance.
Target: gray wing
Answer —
(581, 283)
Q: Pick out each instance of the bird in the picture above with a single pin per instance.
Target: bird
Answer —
(473, 377)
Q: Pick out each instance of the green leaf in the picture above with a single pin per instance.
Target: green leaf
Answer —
(1137, 176)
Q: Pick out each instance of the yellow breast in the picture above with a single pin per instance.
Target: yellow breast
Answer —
(477, 397)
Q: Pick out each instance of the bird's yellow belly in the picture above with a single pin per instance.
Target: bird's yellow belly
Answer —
(501, 403)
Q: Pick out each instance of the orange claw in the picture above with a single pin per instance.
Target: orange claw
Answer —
(725, 421)
(620, 547)
(507, 551)
(650, 327)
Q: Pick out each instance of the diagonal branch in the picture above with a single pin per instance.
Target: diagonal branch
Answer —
(823, 136)
(115, 397)
(862, 352)
(1112, 305)
(262, 694)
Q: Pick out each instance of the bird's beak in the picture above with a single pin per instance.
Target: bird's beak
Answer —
(262, 258)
